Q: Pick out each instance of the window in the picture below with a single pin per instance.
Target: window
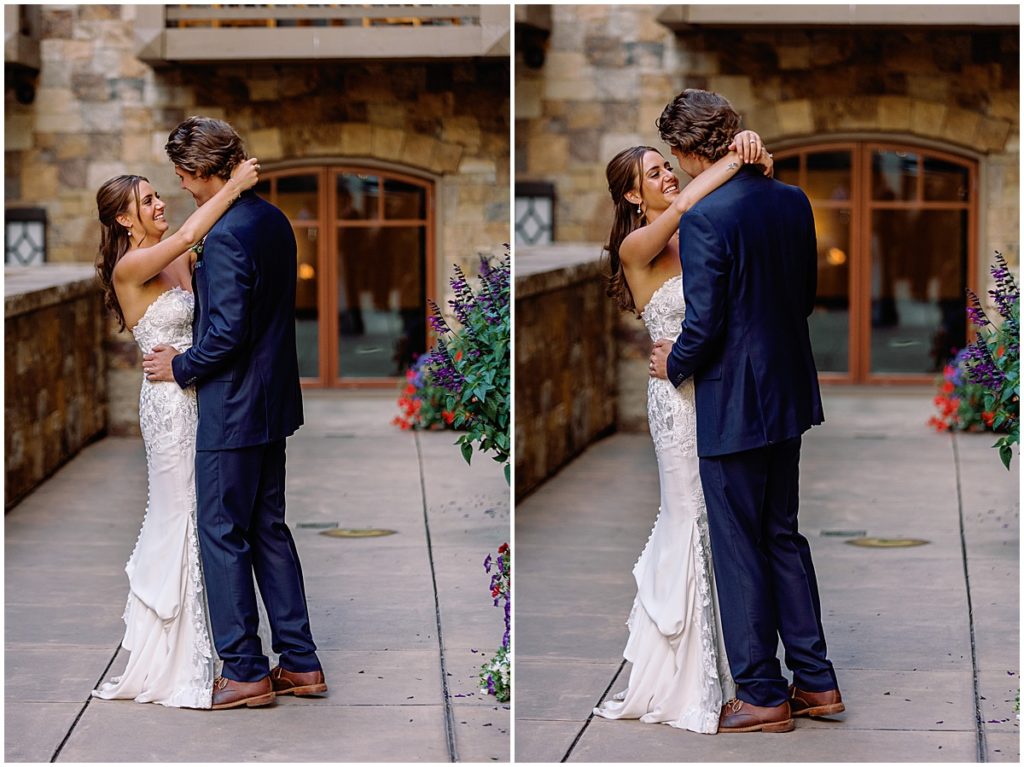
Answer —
(365, 261)
(25, 236)
(896, 253)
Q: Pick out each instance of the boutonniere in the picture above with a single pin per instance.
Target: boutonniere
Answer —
(198, 248)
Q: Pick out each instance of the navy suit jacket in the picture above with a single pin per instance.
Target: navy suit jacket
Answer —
(749, 259)
(243, 360)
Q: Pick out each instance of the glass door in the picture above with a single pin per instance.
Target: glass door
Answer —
(365, 260)
(896, 231)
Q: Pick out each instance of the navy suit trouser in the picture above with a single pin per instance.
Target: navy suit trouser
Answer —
(764, 574)
(242, 531)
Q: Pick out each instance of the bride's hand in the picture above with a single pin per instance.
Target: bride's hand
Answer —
(748, 146)
(246, 174)
(768, 162)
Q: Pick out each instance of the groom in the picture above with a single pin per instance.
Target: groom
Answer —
(749, 260)
(243, 364)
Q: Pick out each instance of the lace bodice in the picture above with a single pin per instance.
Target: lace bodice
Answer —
(664, 313)
(168, 320)
(671, 413)
(167, 413)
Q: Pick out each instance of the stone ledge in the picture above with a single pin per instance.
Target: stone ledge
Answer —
(543, 268)
(29, 288)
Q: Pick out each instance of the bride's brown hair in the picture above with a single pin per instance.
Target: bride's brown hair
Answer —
(113, 199)
(623, 173)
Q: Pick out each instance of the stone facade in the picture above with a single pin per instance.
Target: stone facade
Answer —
(610, 70)
(54, 371)
(99, 112)
(565, 359)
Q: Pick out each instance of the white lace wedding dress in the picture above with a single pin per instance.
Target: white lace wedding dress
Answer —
(680, 673)
(166, 631)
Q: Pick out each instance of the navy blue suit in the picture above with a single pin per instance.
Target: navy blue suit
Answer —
(749, 261)
(244, 365)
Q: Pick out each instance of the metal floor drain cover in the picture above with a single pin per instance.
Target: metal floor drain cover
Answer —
(887, 543)
(347, 532)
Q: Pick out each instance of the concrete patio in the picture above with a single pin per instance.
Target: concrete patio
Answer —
(402, 622)
(907, 628)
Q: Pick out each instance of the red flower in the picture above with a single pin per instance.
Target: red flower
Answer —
(988, 418)
(503, 548)
(948, 387)
(999, 351)
(449, 418)
(458, 355)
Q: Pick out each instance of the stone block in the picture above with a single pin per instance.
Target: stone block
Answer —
(419, 150)
(264, 90)
(100, 116)
(795, 117)
(570, 90)
(71, 173)
(547, 156)
(130, 66)
(614, 84)
(386, 143)
(17, 132)
(90, 86)
(356, 139)
(388, 114)
(794, 57)
(696, 62)
(764, 119)
(528, 99)
(736, 88)
(928, 87)
(894, 113)
(604, 51)
(40, 184)
(447, 158)
(464, 130)
(265, 144)
(927, 117)
(992, 134)
(54, 101)
(99, 172)
(960, 126)
(613, 143)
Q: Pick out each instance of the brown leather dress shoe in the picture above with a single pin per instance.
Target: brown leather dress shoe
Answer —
(299, 683)
(804, 703)
(227, 693)
(740, 716)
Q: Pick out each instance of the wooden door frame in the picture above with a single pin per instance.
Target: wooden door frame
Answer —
(861, 207)
(326, 173)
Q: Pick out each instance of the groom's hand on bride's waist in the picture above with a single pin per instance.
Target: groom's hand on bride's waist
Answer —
(658, 367)
(157, 364)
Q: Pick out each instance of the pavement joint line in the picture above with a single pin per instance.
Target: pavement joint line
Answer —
(981, 741)
(449, 718)
(85, 705)
(590, 718)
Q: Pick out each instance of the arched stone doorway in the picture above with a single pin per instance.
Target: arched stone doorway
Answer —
(897, 238)
(365, 239)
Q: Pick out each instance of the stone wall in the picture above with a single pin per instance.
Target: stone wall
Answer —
(99, 112)
(565, 359)
(54, 371)
(610, 70)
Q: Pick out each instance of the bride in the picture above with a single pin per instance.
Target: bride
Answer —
(680, 674)
(146, 283)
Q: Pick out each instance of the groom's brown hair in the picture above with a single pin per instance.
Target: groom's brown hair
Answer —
(699, 123)
(206, 147)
